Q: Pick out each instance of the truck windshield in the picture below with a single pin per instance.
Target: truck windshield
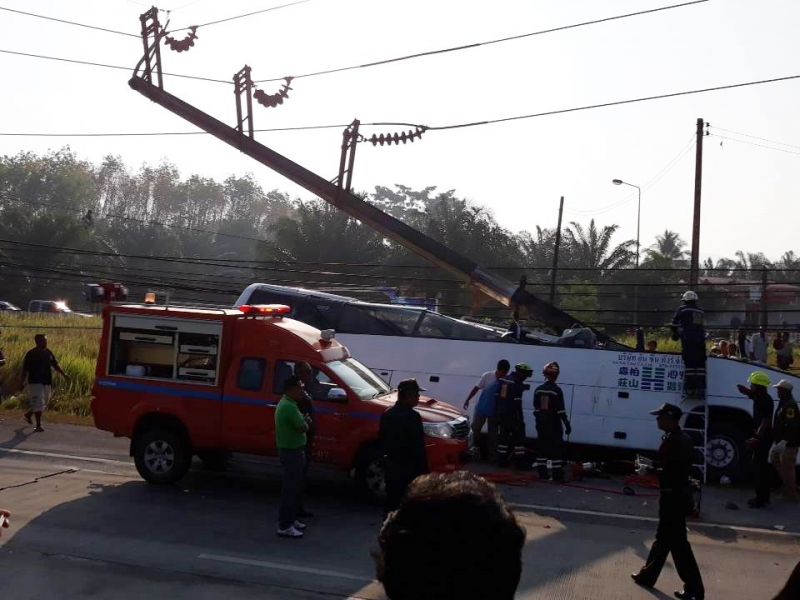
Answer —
(359, 378)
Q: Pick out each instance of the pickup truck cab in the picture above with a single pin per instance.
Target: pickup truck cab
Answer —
(184, 381)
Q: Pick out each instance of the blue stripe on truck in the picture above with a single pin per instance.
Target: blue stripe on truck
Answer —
(130, 386)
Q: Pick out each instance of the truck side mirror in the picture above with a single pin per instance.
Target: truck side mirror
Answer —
(336, 394)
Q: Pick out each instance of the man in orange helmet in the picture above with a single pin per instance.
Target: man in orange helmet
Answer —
(551, 414)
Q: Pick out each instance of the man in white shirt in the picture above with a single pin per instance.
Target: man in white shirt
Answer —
(485, 410)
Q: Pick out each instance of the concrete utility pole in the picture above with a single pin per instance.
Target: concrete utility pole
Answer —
(698, 184)
(555, 253)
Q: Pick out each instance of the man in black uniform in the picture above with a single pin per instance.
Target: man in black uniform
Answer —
(511, 423)
(402, 441)
(761, 441)
(551, 414)
(675, 458)
(687, 326)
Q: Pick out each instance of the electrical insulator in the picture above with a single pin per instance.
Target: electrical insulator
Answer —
(185, 43)
(273, 100)
(397, 138)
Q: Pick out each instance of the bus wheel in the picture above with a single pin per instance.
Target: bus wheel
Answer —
(725, 451)
(161, 455)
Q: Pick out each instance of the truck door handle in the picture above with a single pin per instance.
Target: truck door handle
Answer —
(384, 372)
(434, 379)
(623, 395)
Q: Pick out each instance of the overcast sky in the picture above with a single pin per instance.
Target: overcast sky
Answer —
(516, 169)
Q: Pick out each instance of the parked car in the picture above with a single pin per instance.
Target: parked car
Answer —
(8, 306)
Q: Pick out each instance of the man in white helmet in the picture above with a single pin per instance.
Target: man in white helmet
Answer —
(687, 326)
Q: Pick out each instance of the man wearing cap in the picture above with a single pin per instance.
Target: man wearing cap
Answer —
(687, 326)
(786, 433)
(675, 501)
(761, 441)
(402, 440)
(511, 423)
(551, 423)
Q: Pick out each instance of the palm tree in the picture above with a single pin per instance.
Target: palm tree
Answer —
(591, 248)
(669, 245)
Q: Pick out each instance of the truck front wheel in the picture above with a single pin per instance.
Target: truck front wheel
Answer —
(161, 455)
(370, 473)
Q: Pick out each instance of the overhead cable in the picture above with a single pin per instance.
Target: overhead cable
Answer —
(478, 44)
(250, 14)
(29, 14)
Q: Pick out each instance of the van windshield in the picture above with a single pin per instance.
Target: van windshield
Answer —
(359, 378)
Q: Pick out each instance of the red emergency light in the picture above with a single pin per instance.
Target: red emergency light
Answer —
(265, 310)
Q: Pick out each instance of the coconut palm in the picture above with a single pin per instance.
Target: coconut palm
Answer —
(591, 248)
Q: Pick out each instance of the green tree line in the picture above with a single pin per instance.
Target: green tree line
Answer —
(110, 216)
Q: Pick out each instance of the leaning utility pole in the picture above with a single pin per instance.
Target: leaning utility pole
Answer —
(698, 184)
(555, 253)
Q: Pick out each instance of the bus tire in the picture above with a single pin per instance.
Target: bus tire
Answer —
(370, 473)
(161, 455)
(726, 452)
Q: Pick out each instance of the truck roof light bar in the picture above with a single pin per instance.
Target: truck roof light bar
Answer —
(265, 310)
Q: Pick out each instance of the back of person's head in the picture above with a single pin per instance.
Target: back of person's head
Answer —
(453, 538)
(503, 366)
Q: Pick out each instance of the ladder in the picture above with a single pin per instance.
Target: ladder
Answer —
(699, 434)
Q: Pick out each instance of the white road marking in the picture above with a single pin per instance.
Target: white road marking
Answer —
(105, 461)
(284, 567)
(690, 524)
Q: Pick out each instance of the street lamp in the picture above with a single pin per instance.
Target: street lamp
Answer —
(638, 212)
(638, 221)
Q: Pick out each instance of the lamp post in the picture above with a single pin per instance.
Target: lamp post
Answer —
(638, 212)
(638, 222)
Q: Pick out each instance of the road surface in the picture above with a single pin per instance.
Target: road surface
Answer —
(84, 525)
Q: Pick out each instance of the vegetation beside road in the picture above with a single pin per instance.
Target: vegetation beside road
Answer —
(74, 341)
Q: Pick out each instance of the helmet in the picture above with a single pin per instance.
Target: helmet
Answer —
(759, 378)
(523, 368)
(551, 369)
(689, 296)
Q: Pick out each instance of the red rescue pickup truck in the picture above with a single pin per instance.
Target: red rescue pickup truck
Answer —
(182, 381)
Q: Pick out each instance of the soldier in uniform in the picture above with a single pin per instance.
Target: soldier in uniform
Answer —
(687, 326)
(551, 423)
(674, 464)
(402, 440)
(511, 423)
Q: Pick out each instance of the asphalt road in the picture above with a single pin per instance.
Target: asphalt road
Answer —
(85, 525)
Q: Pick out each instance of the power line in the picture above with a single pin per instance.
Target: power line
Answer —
(730, 139)
(494, 121)
(250, 14)
(29, 14)
(614, 103)
(103, 65)
(478, 44)
(755, 137)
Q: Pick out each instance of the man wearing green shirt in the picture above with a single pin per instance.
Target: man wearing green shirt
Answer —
(290, 438)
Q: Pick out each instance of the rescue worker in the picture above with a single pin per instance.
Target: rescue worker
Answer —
(311, 391)
(402, 442)
(786, 433)
(687, 326)
(761, 441)
(510, 421)
(551, 423)
(675, 501)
